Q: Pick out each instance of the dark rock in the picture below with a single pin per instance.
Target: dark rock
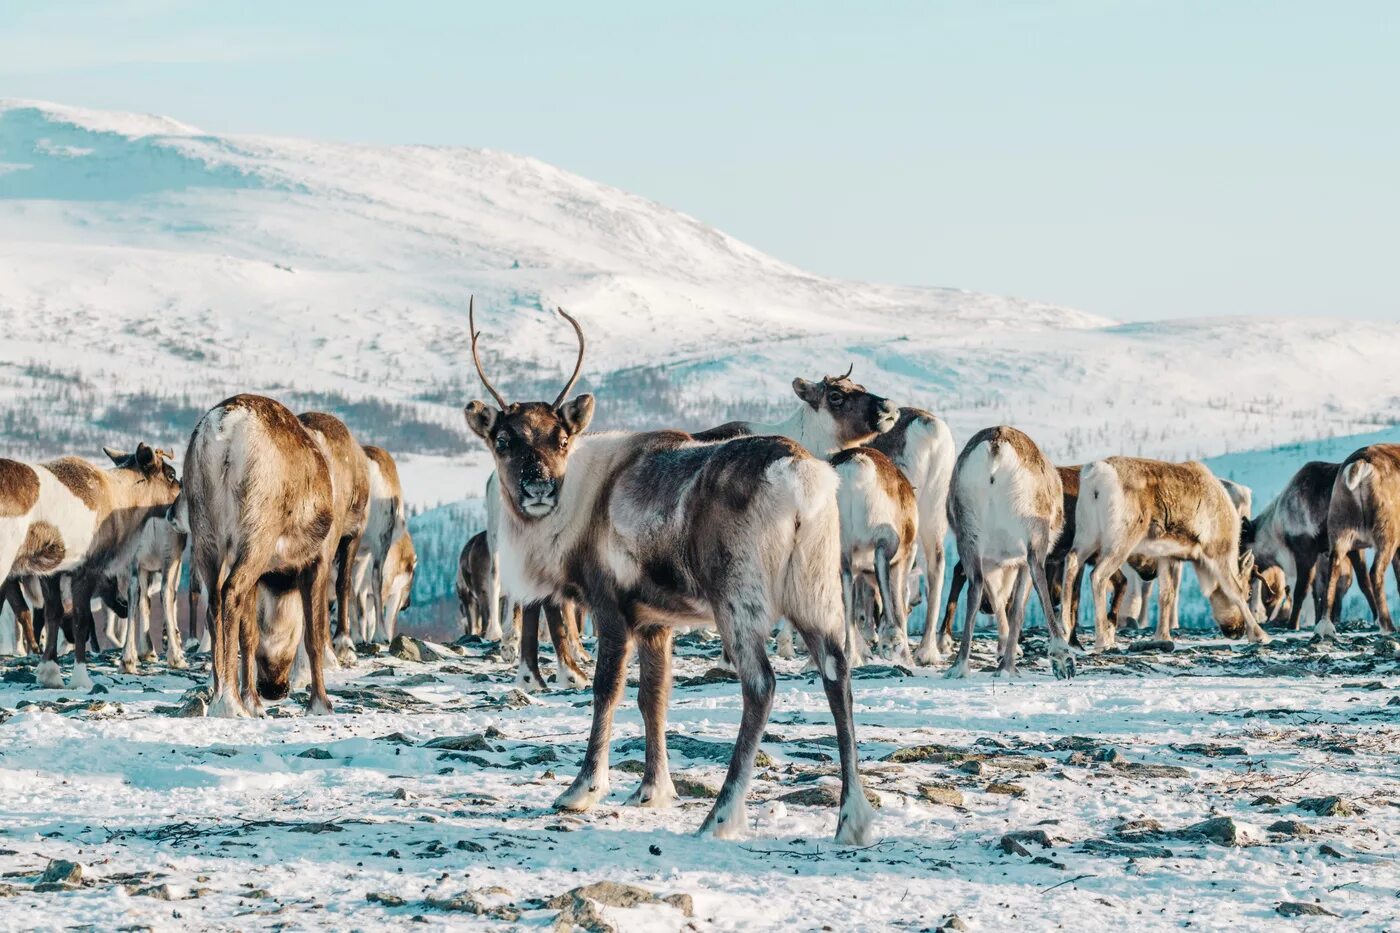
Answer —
(1108, 754)
(1015, 843)
(952, 923)
(693, 748)
(1109, 848)
(1074, 743)
(1221, 830)
(539, 755)
(691, 786)
(476, 742)
(1302, 909)
(160, 892)
(319, 754)
(1291, 828)
(18, 675)
(682, 902)
(715, 675)
(406, 648)
(1139, 770)
(419, 680)
(823, 795)
(97, 690)
(388, 900)
(931, 754)
(59, 871)
(1328, 806)
(607, 893)
(972, 767)
(1130, 828)
(1152, 646)
(398, 738)
(1265, 800)
(1012, 790)
(1330, 851)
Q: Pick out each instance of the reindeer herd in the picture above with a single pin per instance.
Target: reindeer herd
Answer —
(821, 525)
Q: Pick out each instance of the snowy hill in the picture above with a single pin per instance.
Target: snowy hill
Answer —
(148, 269)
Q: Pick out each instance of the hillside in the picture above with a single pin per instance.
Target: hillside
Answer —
(148, 269)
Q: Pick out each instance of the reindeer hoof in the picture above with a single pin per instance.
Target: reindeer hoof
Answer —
(177, 662)
(49, 675)
(658, 796)
(580, 796)
(80, 679)
(129, 666)
(1063, 667)
(148, 656)
(856, 824)
(957, 672)
(319, 706)
(725, 822)
(227, 706)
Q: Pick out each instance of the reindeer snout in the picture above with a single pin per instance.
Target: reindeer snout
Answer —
(886, 414)
(538, 488)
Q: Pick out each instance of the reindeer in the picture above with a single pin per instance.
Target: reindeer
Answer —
(1290, 536)
(349, 466)
(386, 522)
(155, 571)
(400, 569)
(261, 512)
(1168, 512)
(1006, 510)
(921, 445)
(1364, 513)
(473, 571)
(879, 527)
(657, 529)
(69, 517)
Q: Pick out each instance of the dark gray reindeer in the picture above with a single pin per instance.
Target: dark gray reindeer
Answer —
(656, 529)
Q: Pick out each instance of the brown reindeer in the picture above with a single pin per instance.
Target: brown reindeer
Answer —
(1168, 512)
(349, 467)
(473, 572)
(400, 570)
(655, 530)
(260, 510)
(69, 518)
(12, 595)
(1364, 513)
(385, 523)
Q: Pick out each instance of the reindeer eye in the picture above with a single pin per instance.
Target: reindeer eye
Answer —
(563, 442)
(502, 441)
(836, 398)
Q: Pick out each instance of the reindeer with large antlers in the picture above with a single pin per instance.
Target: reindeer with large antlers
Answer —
(657, 529)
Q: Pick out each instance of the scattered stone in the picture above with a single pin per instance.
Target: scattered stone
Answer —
(1221, 830)
(1211, 750)
(693, 748)
(18, 675)
(952, 923)
(539, 755)
(942, 794)
(1291, 828)
(1152, 646)
(406, 648)
(468, 902)
(1074, 743)
(1146, 827)
(196, 707)
(1140, 770)
(1301, 909)
(682, 902)
(397, 738)
(319, 754)
(823, 795)
(469, 846)
(476, 742)
(1011, 790)
(514, 698)
(97, 690)
(1330, 851)
(1328, 806)
(1387, 648)
(931, 754)
(631, 766)
(1265, 800)
(972, 767)
(691, 786)
(388, 900)
(160, 892)
(60, 871)
(715, 675)
(1109, 848)
(402, 794)
(419, 680)
(1015, 843)
(1109, 754)
(607, 893)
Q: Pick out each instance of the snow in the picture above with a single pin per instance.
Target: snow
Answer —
(235, 812)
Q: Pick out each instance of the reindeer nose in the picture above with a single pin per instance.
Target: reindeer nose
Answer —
(538, 488)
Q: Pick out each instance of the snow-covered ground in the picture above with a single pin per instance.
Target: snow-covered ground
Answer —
(1030, 804)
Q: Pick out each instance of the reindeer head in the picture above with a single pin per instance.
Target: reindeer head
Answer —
(531, 441)
(1226, 606)
(158, 484)
(855, 414)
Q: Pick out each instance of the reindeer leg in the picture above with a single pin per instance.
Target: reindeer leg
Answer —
(83, 588)
(1016, 618)
(130, 662)
(249, 636)
(528, 676)
(1324, 628)
(1385, 553)
(1166, 600)
(934, 560)
(653, 695)
(314, 584)
(169, 594)
(744, 637)
(493, 606)
(48, 674)
(566, 669)
(147, 643)
(973, 603)
(854, 637)
(1302, 589)
(609, 679)
(893, 582)
(950, 609)
(344, 642)
(1357, 561)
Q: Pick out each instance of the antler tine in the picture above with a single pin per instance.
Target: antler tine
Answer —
(578, 366)
(167, 454)
(476, 357)
(850, 369)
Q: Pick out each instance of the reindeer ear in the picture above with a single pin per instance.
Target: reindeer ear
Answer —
(578, 414)
(145, 456)
(809, 392)
(116, 456)
(1247, 565)
(481, 419)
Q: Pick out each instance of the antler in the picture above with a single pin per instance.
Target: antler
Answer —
(578, 366)
(167, 454)
(476, 357)
(850, 369)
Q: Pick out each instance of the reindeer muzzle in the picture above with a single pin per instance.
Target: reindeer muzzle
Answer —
(538, 497)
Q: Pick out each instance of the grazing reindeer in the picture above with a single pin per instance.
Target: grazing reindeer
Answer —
(1364, 513)
(400, 569)
(349, 468)
(1290, 535)
(921, 445)
(155, 571)
(879, 528)
(1006, 508)
(386, 522)
(654, 530)
(473, 573)
(260, 511)
(1169, 512)
(69, 517)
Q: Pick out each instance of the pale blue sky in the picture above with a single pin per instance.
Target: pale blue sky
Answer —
(1132, 159)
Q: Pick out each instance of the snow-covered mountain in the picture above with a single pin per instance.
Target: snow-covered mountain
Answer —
(148, 269)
